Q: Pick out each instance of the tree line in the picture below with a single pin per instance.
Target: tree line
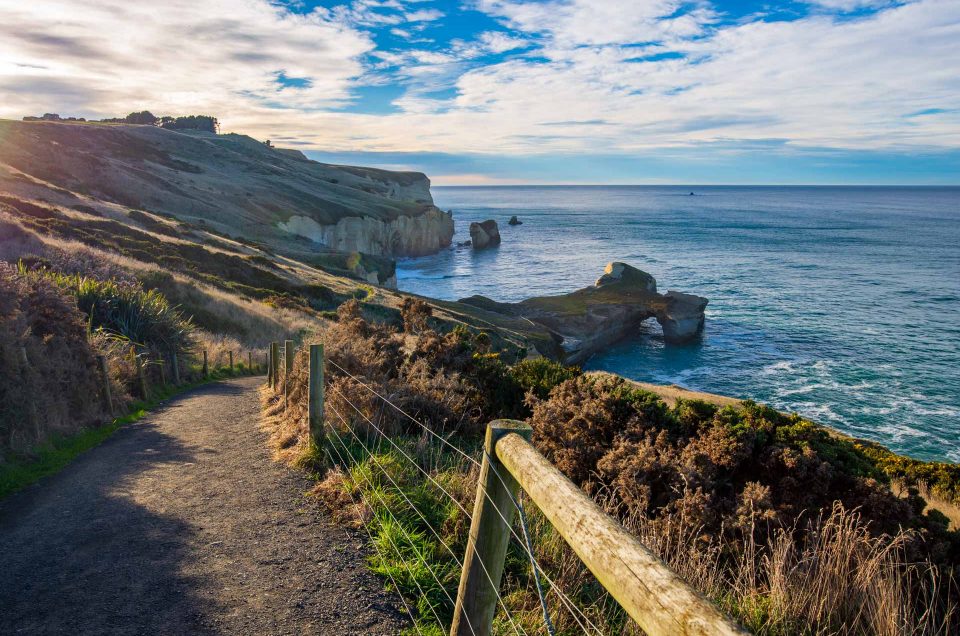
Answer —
(205, 123)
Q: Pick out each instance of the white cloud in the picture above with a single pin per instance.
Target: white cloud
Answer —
(424, 15)
(850, 5)
(598, 22)
(113, 56)
(499, 42)
(604, 87)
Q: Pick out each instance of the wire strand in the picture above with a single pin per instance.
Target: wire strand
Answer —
(536, 577)
(377, 549)
(386, 474)
(565, 600)
(404, 413)
(413, 576)
(459, 562)
(402, 452)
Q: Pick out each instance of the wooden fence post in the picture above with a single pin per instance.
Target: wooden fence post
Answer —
(231, 361)
(163, 374)
(249, 362)
(287, 368)
(493, 514)
(274, 364)
(206, 364)
(176, 367)
(105, 375)
(138, 365)
(315, 394)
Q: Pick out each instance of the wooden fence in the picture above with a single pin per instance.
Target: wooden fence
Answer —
(654, 596)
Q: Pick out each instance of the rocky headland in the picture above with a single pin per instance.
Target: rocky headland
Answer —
(231, 184)
(585, 321)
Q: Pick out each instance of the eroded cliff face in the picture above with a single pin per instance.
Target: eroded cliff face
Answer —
(233, 184)
(419, 235)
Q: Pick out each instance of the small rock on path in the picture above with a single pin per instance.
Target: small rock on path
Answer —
(182, 524)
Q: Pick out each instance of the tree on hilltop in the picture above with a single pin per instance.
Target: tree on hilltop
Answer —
(144, 117)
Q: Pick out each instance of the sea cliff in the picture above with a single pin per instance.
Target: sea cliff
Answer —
(420, 235)
(231, 184)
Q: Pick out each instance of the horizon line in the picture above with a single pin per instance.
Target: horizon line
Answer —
(695, 185)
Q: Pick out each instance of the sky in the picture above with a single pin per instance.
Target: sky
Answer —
(515, 92)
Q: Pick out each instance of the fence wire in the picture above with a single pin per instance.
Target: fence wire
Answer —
(521, 541)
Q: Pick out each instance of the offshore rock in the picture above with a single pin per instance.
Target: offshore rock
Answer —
(514, 221)
(484, 235)
(586, 321)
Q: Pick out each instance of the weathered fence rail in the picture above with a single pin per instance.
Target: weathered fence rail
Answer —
(652, 594)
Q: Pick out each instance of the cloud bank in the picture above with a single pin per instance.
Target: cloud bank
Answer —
(555, 76)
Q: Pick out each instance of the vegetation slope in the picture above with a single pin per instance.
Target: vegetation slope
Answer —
(792, 529)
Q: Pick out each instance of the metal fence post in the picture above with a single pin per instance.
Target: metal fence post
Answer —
(493, 514)
(315, 395)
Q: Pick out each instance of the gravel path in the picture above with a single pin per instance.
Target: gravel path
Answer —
(182, 524)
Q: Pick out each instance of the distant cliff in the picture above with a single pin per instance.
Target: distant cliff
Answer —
(231, 183)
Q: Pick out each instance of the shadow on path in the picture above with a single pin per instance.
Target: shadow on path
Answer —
(181, 524)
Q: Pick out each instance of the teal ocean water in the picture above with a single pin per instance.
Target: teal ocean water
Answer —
(842, 304)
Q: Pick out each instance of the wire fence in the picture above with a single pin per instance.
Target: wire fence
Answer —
(411, 491)
(343, 435)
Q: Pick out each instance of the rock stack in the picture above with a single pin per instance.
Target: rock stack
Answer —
(484, 235)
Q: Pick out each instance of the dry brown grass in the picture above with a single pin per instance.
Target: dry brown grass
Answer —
(49, 380)
(251, 322)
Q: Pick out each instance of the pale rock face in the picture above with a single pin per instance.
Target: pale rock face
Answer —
(621, 272)
(683, 318)
(404, 236)
(419, 191)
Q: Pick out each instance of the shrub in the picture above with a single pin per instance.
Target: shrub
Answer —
(541, 375)
(750, 505)
(143, 317)
(49, 382)
(730, 470)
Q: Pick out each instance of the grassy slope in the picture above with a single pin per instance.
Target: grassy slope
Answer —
(242, 287)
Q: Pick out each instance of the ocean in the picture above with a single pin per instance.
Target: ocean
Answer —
(839, 303)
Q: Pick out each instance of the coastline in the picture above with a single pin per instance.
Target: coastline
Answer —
(672, 394)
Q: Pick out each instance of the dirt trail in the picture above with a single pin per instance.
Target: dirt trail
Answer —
(181, 524)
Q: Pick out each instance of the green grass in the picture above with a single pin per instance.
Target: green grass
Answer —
(57, 453)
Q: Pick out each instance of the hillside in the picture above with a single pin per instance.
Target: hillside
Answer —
(231, 183)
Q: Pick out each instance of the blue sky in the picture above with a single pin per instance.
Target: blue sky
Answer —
(508, 91)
